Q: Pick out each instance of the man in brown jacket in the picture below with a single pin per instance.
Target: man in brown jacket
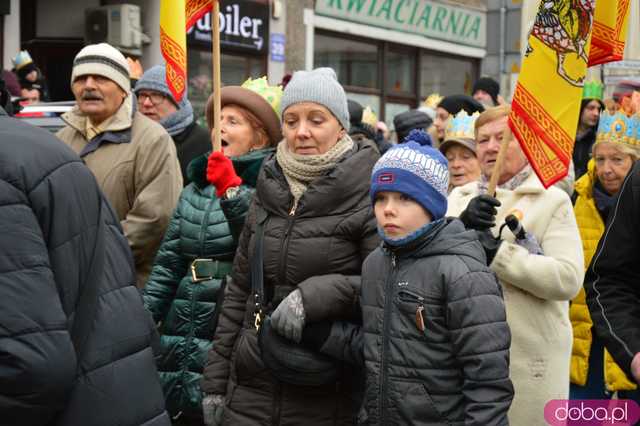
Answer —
(132, 157)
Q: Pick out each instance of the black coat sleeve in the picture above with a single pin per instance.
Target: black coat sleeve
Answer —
(38, 360)
(611, 282)
(237, 292)
(481, 339)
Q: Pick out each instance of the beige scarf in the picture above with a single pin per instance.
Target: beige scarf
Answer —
(301, 170)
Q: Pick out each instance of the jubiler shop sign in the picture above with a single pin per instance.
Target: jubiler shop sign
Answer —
(244, 25)
(422, 17)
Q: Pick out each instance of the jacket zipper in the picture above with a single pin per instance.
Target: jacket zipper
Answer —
(284, 245)
(385, 342)
(203, 227)
(277, 403)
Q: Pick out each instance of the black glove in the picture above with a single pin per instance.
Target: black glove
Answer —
(490, 244)
(314, 335)
(481, 212)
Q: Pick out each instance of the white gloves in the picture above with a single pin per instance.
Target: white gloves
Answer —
(288, 318)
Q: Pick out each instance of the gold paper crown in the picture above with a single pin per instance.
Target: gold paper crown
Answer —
(619, 128)
(461, 126)
(433, 100)
(271, 94)
(369, 117)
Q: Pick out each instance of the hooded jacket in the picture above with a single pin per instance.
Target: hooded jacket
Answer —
(456, 370)
(591, 228)
(74, 335)
(537, 290)
(611, 281)
(319, 250)
(202, 227)
(134, 161)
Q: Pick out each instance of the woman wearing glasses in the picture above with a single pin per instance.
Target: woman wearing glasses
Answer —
(185, 288)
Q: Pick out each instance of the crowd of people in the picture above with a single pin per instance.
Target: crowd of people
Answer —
(316, 270)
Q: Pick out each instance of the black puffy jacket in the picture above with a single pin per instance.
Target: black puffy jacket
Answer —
(319, 250)
(455, 371)
(65, 265)
(612, 280)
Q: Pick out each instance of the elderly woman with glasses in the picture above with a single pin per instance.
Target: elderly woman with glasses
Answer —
(156, 101)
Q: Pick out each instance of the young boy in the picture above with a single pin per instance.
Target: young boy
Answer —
(436, 341)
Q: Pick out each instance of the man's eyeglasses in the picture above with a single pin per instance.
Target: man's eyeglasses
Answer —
(155, 98)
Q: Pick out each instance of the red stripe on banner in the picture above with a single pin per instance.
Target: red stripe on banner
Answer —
(196, 9)
(175, 57)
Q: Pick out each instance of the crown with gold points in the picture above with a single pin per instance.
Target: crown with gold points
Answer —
(369, 117)
(593, 89)
(271, 94)
(433, 100)
(619, 128)
(461, 126)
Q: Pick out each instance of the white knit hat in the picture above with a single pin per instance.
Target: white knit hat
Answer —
(105, 60)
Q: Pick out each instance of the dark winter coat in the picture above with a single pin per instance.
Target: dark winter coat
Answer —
(582, 152)
(456, 371)
(202, 227)
(65, 264)
(318, 249)
(192, 142)
(611, 282)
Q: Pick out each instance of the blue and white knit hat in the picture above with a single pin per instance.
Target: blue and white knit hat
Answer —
(418, 171)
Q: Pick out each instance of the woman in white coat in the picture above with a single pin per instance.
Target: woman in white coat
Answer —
(538, 277)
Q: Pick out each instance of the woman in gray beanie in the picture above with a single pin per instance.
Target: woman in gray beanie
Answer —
(317, 227)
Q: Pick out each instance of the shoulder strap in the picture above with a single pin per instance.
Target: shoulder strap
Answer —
(257, 271)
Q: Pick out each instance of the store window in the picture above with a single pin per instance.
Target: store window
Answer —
(446, 75)
(355, 62)
(234, 70)
(410, 74)
(401, 71)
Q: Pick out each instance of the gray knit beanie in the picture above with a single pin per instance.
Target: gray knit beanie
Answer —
(320, 86)
(155, 79)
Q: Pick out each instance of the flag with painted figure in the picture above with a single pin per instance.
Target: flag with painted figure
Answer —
(610, 22)
(546, 101)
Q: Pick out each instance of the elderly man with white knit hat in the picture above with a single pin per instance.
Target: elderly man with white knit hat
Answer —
(132, 157)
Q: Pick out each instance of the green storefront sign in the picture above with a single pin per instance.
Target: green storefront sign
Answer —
(422, 17)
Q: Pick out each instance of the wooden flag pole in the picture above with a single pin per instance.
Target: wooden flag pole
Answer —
(215, 47)
(497, 167)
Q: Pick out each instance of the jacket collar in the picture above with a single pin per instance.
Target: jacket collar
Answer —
(531, 185)
(121, 120)
(246, 166)
(584, 185)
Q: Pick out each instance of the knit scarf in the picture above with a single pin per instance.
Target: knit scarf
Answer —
(179, 120)
(301, 170)
(511, 184)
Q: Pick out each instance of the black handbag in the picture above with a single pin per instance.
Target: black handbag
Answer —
(288, 361)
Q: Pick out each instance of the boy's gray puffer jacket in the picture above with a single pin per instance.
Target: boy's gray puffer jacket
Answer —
(454, 372)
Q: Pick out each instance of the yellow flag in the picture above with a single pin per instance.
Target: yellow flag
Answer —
(173, 44)
(546, 102)
(195, 9)
(610, 22)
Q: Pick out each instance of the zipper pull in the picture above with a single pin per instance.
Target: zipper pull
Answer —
(393, 260)
(293, 208)
(420, 318)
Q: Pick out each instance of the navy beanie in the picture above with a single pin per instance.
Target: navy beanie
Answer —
(418, 171)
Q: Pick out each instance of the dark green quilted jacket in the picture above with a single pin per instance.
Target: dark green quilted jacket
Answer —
(202, 226)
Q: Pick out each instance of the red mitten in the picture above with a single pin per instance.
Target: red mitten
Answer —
(221, 174)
